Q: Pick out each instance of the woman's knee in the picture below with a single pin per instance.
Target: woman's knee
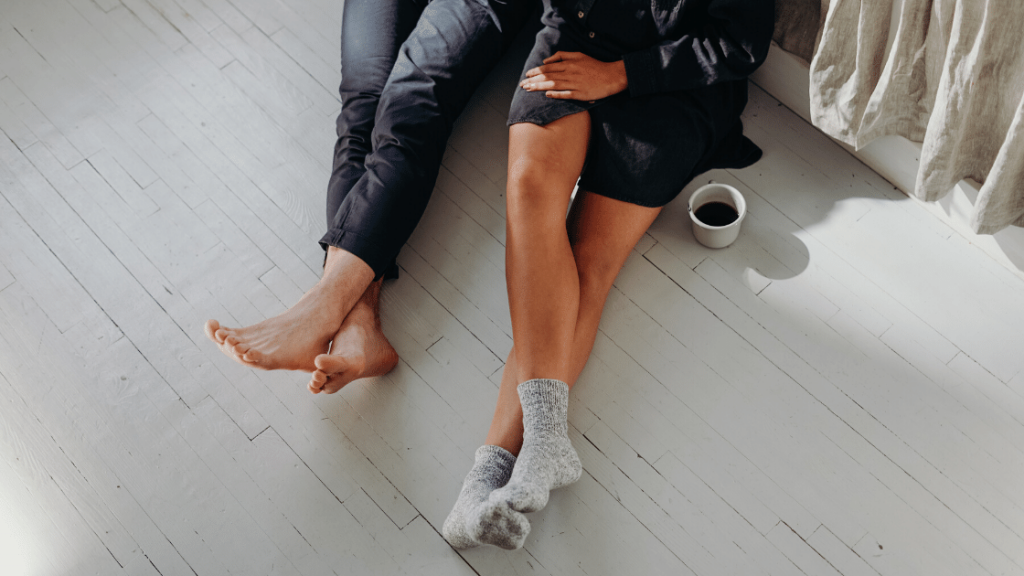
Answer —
(544, 164)
(530, 184)
(534, 198)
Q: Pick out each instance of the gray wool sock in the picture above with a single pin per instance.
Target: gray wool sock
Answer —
(547, 459)
(468, 526)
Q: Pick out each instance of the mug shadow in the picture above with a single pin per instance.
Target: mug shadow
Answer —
(766, 249)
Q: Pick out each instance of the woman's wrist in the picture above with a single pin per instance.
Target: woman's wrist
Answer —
(620, 81)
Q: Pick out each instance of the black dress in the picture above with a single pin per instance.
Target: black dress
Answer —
(687, 63)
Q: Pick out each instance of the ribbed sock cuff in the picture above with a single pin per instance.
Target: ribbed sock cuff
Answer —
(495, 462)
(545, 405)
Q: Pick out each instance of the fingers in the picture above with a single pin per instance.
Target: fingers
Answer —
(566, 80)
(554, 87)
(543, 84)
(550, 69)
(556, 57)
(562, 56)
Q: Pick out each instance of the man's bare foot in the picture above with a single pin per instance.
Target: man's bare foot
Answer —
(294, 338)
(359, 349)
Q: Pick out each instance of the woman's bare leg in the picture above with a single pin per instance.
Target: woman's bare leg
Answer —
(602, 231)
(543, 286)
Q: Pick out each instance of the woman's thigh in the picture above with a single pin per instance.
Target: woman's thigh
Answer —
(645, 150)
(603, 232)
(544, 163)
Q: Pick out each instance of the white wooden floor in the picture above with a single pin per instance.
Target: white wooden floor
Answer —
(840, 392)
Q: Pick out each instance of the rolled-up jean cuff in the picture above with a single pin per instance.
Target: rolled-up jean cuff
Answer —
(383, 265)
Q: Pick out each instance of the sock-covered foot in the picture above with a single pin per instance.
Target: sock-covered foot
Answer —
(547, 459)
(465, 526)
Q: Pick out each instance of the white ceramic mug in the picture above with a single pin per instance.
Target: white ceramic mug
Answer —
(717, 236)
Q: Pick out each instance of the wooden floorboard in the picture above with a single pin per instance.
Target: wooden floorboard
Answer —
(839, 392)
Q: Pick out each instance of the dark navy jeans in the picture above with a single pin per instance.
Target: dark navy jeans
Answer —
(408, 69)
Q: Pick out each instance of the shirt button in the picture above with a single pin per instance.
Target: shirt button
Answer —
(591, 34)
(580, 13)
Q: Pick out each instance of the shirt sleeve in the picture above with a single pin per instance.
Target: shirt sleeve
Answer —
(730, 43)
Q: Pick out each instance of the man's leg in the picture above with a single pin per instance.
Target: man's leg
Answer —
(372, 33)
(453, 47)
(292, 339)
(358, 350)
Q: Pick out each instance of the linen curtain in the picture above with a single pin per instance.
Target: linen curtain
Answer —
(951, 76)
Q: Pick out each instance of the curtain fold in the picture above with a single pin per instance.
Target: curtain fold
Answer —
(951, 77)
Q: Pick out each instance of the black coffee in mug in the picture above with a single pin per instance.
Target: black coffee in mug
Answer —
(716, 214)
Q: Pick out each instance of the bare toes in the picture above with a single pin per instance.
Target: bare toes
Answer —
(320, 381)
(240, 349)
(333, 385)
(252, 356)
(231, 341)
(221, 334)
(316, 381)
(331, 364)
(211, 328)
